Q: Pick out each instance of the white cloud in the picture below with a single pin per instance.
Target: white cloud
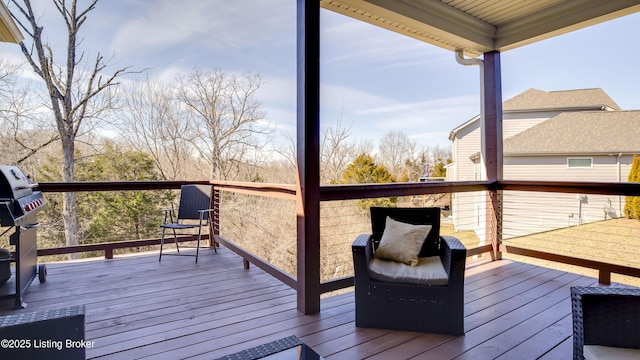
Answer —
(166, 23)
(372, 116)
(427, 118)
(279, 90)
(350, 99)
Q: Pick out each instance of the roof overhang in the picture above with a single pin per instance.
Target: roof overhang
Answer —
(478, 27)
(9, 31)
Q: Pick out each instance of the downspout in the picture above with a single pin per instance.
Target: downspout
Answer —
(619, 181)
(472, 62)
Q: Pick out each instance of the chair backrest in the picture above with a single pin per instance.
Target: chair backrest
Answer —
(415, 216)
(192, 199)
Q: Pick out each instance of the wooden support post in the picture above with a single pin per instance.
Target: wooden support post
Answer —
(308, 156)
(494, 222)
(492, 145)
(214, 224)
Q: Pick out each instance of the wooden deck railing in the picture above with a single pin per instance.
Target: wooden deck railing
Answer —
(605, 269)
(349, 192)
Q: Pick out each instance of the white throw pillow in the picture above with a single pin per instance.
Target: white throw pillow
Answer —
(402, 242)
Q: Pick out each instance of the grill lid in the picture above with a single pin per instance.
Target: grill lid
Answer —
(17, 197)
(14, 184)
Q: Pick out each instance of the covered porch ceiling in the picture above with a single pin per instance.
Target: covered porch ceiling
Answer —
(481, 26)
(9, 31)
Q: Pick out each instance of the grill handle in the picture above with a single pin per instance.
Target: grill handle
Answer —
(28, 186)
(29, 226)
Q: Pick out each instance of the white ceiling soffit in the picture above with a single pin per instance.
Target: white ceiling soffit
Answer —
(9, 31)
(479, 26)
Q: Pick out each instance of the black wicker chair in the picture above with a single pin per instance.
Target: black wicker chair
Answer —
(605, 316)
(404, 306)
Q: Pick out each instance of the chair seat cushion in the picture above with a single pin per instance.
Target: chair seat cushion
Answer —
(428, 271)
(593, 352)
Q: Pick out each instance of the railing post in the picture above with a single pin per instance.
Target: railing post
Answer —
(214, 224)
(492, 150)
(604, 277)
(494, 225)
(308, 156)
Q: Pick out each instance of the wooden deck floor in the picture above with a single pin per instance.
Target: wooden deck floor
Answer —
(138, 307)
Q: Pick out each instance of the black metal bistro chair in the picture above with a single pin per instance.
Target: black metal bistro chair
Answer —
(427, 297)
(193, 212)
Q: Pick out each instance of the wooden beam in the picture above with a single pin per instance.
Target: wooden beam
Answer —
(248, 257)
(280, 191)
(366, 191)
(479, 250)
(337, 284)
(572, 187)
(114, 185)
(108, 247)
(214, 223)
(425, 17)
(604, 269)
(308, 156)
(492, 151)
(492, 146)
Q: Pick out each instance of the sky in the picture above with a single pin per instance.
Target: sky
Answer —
(373, 80)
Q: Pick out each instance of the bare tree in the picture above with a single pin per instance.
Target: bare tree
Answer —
(73, 91)
(287, 149)
(8, 77)
(395, 149)
(24, 128)
(155, 123)
(440, 154)
(228, 118)
(336, 151)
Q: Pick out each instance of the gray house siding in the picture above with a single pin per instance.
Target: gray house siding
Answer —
(515, 123)
(541, 131)
(468, 210)
(531, 212)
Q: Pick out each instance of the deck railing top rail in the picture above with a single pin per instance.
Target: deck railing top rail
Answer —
(574, 187)
(360, 191)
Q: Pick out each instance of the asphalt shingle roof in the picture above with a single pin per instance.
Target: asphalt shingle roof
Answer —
(586, 132)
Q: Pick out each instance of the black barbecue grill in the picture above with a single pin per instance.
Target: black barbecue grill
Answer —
(19, 204)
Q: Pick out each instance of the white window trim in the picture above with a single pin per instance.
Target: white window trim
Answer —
(580, 167)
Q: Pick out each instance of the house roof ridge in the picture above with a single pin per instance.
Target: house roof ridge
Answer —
(569, 90)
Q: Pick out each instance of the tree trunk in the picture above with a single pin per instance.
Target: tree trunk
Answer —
(69, 198)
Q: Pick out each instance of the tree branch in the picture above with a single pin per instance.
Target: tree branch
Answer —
(34, 150)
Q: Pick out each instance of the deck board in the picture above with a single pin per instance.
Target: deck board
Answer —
(138, 307)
